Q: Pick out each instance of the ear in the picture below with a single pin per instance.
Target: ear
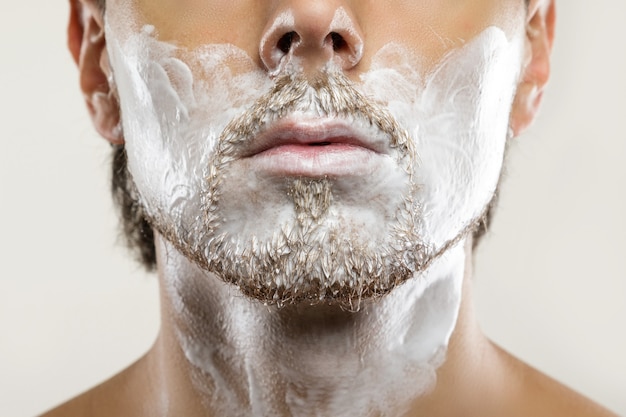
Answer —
(87, 43)
(536, 71)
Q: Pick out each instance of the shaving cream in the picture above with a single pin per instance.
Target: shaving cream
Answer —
(441, 172)
(444, 165)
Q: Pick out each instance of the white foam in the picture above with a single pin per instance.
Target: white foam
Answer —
(175, 103)
(458, 117)
(251, 360)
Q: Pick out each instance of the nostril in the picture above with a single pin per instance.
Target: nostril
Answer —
(310, 44)
(286, 41)
(338, 41)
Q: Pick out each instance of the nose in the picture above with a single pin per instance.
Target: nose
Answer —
(312, 34)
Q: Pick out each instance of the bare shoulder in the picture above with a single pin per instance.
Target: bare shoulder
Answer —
(113, 397)
(551, 398)
(540, 395)
(83, 405)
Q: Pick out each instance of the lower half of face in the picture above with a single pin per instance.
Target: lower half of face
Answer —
(315, 187)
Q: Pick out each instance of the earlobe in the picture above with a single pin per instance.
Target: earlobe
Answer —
(87, 44)
(536, 71)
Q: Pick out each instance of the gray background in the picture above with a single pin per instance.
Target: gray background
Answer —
(550, 279)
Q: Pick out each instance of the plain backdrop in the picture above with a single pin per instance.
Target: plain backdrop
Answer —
(550, 279)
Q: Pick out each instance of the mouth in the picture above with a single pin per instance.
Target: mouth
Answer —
(317, 148)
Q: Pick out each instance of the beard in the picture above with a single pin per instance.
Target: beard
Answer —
(335, 239)
(322, 249)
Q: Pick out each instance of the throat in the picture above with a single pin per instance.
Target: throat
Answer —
(247, 359)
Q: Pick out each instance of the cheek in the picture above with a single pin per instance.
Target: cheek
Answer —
(463, 146)
(174, 106)
(458, 116)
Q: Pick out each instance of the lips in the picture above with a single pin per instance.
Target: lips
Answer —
(316, 148)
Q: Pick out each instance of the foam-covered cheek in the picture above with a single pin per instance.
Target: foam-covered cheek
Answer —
(175, 105)
(458, 116)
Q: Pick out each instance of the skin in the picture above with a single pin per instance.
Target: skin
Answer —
(164, 382)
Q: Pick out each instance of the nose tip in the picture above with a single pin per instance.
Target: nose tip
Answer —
(316, 37)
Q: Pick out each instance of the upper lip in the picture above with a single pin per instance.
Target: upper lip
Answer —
(295, 131)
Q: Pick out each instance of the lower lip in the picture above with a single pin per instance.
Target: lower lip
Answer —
(337, 159)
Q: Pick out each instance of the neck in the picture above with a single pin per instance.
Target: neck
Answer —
(237, 357)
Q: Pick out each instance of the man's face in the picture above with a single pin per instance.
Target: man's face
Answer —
(324, 150)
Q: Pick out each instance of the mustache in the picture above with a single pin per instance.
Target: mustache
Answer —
(325, 94)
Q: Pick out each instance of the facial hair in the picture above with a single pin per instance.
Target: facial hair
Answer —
(329, 239)
(315, 256)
